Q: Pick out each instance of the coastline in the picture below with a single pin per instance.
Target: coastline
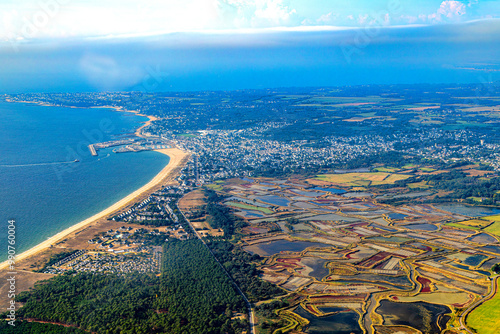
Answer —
(177, 157)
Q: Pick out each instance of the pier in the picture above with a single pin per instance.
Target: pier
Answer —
(92, 150)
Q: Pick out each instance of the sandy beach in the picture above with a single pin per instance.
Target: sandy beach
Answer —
(177, 157)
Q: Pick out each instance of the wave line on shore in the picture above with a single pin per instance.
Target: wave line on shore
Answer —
(41, 164)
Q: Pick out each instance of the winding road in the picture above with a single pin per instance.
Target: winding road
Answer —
(476, 304)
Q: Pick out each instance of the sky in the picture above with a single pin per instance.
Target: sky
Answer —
(161, 45)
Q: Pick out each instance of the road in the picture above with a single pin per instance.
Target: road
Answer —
(476, 304)
(251, 315)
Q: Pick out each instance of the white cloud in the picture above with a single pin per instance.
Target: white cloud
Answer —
(329, 18)
(254, 13)
(363, 19)
(449, 10)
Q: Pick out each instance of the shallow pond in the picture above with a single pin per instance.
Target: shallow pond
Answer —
(483, 238)
(396, 281)
(471, 211)
(460, 266)
(274, 200)
(274, 247)
(331, 190)
(330, 309)
(249, 214)
(490, 263)
(425, 317)
(474, 260)
(345, 322)
(318, 266)
(360, 194)
(308, 193)
(396, 215)
(246, 179)
(423, 227)
(492, 248)
(332, 217)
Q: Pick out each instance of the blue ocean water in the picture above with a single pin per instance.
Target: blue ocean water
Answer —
(41, 186)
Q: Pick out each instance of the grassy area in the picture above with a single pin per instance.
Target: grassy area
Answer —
(362, 179)
(188, 135)
(462, 226)
(486, 318)
(475, 199)
(249, 207)
(494, 228)
(419, 185)
(438, 298)
(217, 187)
(495, 218)
(386, 169)
(476, 223)
(427, 169)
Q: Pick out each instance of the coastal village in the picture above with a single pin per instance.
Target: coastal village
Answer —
(356, 250)
(131, 249)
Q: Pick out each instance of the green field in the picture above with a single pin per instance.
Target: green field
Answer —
(217, 187)
(494, 228)
(427, 169)
(495, 218)
(419, 185)
(481, 223)
(486, 318)
(249, 207)
(386, 169)
(462, 226)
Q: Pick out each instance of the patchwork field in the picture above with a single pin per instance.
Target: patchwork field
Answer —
(336, 246)
(249, 207)
(362, 179)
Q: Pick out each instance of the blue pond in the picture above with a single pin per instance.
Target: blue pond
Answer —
(274, 200)
(274, 247)
(345, 322)
(330, 190)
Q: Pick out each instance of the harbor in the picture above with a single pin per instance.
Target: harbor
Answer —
(130, 145)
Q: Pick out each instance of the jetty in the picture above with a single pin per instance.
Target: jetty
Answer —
(92, 150)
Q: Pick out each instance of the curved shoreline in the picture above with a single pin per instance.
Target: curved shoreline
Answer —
(176, 155)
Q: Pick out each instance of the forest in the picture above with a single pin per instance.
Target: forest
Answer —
(239, 264)
(192, 295)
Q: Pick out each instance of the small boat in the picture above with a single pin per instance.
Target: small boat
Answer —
(76, 160)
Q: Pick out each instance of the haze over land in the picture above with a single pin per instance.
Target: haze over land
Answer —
(246, 44)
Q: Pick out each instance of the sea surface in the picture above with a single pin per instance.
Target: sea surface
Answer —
(43, 189)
